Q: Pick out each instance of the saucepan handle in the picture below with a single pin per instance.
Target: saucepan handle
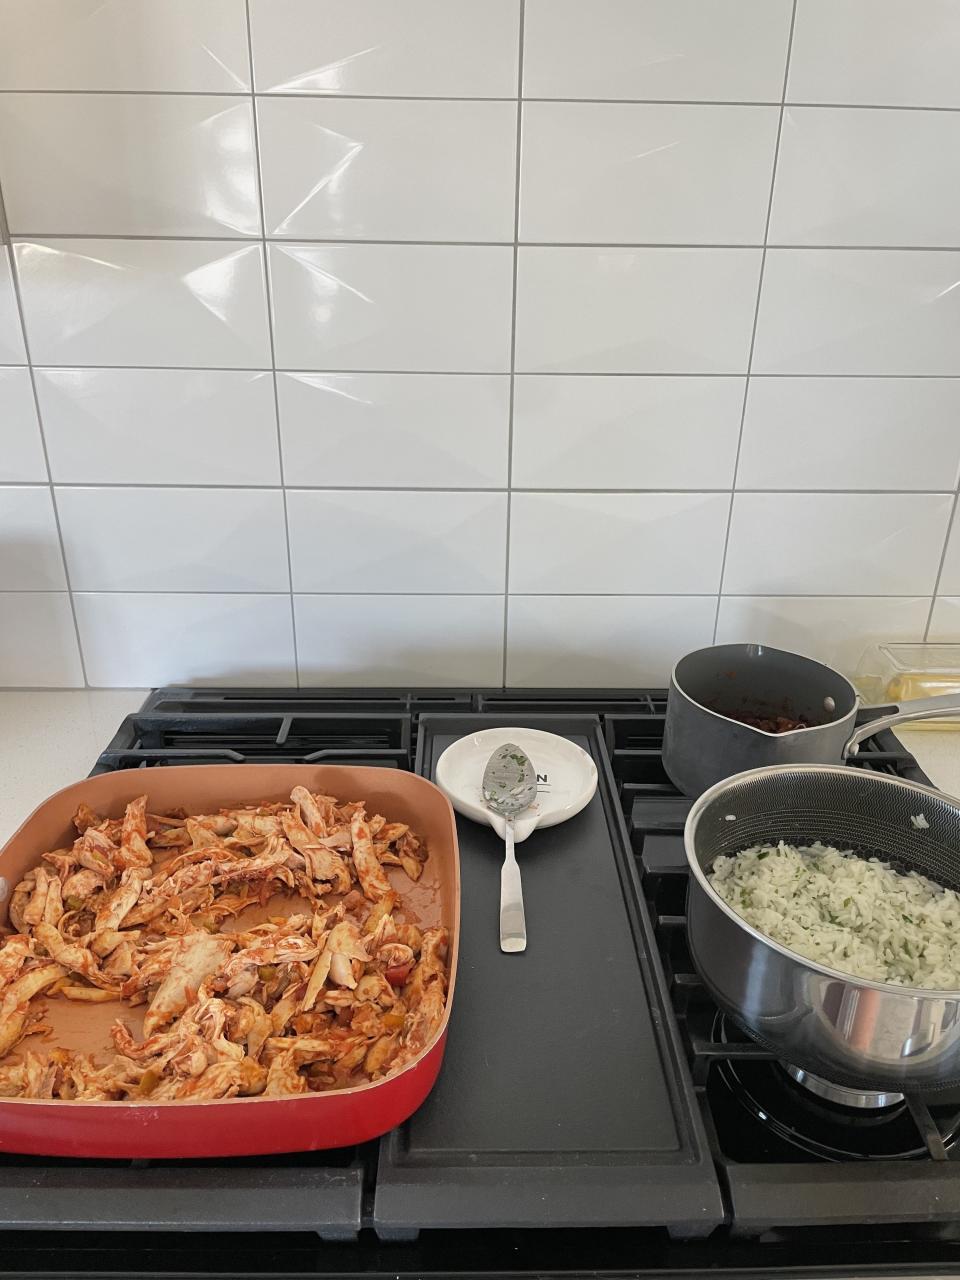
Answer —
(946, 704)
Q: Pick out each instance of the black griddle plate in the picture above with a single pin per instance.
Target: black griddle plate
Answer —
(561, 1097)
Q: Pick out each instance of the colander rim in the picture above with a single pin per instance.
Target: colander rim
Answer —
(872, 779)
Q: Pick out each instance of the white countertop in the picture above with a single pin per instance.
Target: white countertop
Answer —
(50, 739)
(937, 752)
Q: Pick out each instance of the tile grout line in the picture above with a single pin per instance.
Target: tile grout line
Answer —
(486, 595)
(292, 242)
(943, 560)
(15, 281)
(601, 491)
(242, 94)
(513, 342)
(476, 373)
(935, 594)
(756, 318)
(268, 300)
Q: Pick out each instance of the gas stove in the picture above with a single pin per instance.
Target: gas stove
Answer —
(595, 1114)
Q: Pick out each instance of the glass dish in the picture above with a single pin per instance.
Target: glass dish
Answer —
(901, 671)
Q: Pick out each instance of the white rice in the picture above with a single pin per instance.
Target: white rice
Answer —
(849, 913)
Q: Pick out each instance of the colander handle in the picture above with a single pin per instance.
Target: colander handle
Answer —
(946, 704)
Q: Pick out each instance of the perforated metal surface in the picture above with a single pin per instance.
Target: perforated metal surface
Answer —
(868, 813)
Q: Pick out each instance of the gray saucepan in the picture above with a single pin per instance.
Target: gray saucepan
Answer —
(702, 743)
(826, 1025)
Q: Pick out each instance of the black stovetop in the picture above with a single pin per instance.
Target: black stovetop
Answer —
(595, 1114)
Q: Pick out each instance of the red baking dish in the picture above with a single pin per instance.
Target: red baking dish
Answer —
(235, 1126)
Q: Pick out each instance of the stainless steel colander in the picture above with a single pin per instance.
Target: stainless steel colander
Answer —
(849, 1030)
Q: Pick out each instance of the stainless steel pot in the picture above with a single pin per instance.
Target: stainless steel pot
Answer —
(702, 744)
(846, 1030)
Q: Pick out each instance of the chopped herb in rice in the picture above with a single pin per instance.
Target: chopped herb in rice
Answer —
(854, 914)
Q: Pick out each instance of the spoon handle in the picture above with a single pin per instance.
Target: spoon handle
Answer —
(513, 926)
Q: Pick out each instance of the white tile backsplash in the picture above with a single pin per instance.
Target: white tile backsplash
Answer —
(365, 541)
(427, 640)
(134, 164)
(38, 640)
(138, 539)
(589, 171)
(384, 307)
(159, 426)
(316, 352)
(851, 433)
(859, 177)
(30, 556)
(949, 584)
(876, 52)
(136, 45)
(132, 639)
(198, 303)
(603, 641)
(833, 629)
(617, 543)
(600, 432)
(726, 51)
(21, 448)
(945, 622)
(835, 544)
(355, 169)
(861, 311)
(431, 430)
(428, 48)
(615, 310)
(12, 350)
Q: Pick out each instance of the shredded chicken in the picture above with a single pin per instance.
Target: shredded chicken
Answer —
(338, 993)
